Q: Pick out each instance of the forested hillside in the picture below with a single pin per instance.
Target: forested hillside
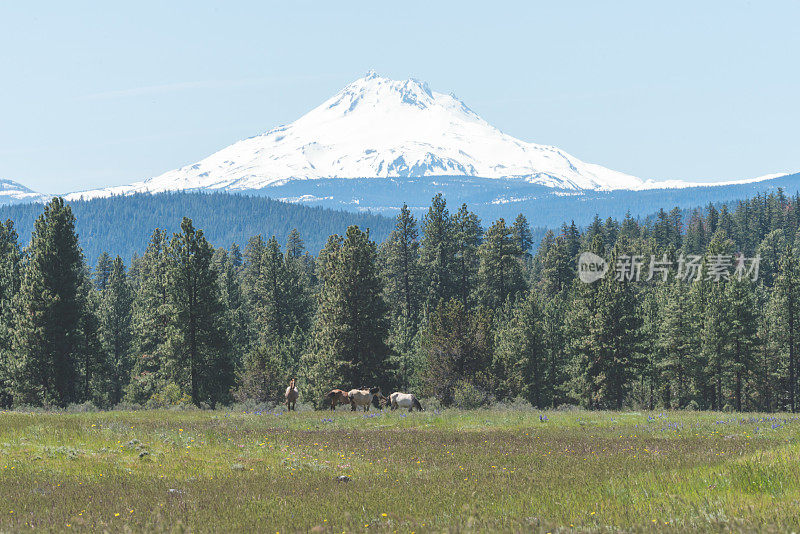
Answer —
(697, 313)
(122, 225)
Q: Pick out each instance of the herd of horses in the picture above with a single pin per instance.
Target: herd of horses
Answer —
(363, 397)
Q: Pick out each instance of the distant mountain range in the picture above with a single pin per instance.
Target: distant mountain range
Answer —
(15, 193)
(379, 143)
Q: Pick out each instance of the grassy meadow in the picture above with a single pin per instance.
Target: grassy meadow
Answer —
(484, 470)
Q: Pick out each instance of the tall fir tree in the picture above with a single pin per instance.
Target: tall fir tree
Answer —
(199, 346)
(521, 232)
(500, 272)
(786, 321)
(349, 345)
(457, 349)
(116, 334)
(10, 280)
(436, 256)
(102, 271)
(48, 335)
(152, 314)
(466, 239)
(521, 354)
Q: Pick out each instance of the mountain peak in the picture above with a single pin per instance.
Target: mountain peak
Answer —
(376, 127)
(12, 192)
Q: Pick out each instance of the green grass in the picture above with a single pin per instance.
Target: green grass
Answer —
(459, 471)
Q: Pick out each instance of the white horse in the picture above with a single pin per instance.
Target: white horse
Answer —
(404, 400)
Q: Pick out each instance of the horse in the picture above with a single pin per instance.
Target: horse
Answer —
(404, 400)
(336, 397)
(362, 397)
(291, 396)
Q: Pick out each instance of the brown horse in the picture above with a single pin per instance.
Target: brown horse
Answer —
(336, 397)
(291, 396)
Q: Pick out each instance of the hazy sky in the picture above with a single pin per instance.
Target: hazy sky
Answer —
(95, 94)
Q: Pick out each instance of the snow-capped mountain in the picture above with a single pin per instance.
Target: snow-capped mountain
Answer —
(381, 128)
(15, 193)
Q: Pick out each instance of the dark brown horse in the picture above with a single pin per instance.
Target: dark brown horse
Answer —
(336, 397)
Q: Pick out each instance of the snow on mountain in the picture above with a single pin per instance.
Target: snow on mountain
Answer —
(680, 184)
(377, 127)
(14, 193)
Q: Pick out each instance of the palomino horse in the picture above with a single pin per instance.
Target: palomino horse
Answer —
(336, 397)
(291, 396)
(362, 397)
(404, 400)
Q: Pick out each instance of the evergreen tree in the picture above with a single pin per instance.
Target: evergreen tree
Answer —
(350, 333)
(740, 297)
(521, 232)
(521, 354)
(436, 256)
(677, 343)
(116, 334)
(280, 305)
(102, 272)
(48, 335)
(457, 347)
(401, 269)
(467, 237)
(10, 280)
(295, 248)
(500, 271)
(199, 346)
(786, 320)
(399, 257)
(152, 315)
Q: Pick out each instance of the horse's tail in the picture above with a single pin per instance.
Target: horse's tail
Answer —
(416, 403)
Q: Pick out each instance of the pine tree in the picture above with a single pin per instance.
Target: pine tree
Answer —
(47, 340)
(102, 272)
(402, 276)
(614, 330)
(521, 355)
(151, 317)
(199, 346)
(457, 348)
(349, 338)
(294, 245)
(786, 317)
(677, 342)
(500, 271)
(521, 232)
(436, 256)
(116, 334)
(228, 264)
(466, 237)
(10, 280)
(280, 306)
(740, 297)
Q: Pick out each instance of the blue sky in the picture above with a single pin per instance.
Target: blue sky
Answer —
(95, 94)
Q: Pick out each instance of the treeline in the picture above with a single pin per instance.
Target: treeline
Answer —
(444, 308)
(123, 224)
